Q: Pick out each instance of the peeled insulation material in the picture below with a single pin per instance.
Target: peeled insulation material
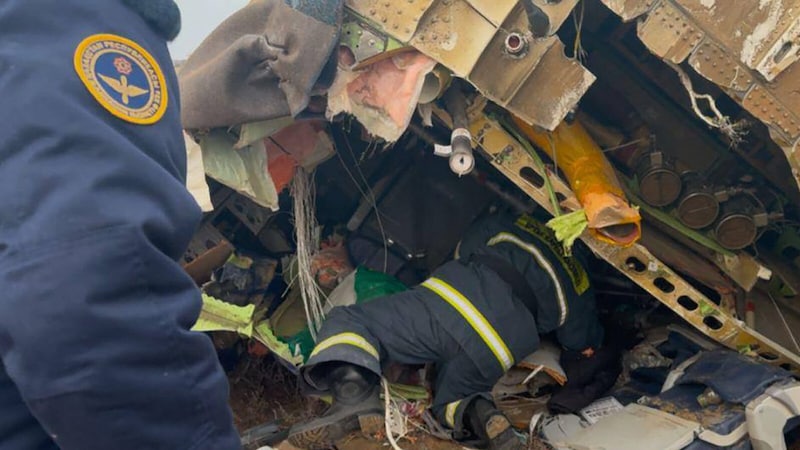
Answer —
(196, 174)
(244, 170)
(547, 357)
(382, 96)
(217, 315)
(610, 216)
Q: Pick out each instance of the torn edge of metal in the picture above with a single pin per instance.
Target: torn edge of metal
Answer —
(636, 262)
(671, 32)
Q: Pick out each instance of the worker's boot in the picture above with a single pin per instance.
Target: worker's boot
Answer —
(491, 426)
(356, 405)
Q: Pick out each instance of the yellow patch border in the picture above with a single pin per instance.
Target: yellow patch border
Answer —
(95, 91)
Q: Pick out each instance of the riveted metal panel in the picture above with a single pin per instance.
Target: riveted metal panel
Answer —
(399, 18)
(716, 64)
(495, 11)
(771, 111)
(629, 9)
(500, 74)
(668, 33)
(455, 34)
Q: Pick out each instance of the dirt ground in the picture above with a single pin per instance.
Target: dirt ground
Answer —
(263, 391)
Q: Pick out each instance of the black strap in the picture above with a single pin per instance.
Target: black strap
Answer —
(508, 273)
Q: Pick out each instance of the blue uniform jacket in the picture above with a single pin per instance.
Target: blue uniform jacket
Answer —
(95, 311)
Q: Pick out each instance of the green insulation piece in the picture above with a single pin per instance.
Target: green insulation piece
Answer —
(263, 333)
(569, 227)
(217, 315)
(371, 284)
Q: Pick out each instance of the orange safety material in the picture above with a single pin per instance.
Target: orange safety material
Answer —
(611, 217)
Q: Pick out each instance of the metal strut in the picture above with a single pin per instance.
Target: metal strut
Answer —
(636, 262)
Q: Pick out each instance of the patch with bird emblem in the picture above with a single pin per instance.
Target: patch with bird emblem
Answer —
(123, 77)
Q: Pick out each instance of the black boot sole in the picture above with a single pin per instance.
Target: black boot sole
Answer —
(501, 434)
(318, 435)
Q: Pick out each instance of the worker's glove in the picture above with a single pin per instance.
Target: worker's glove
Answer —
(589, 375)
(571, 399)
(581, 368)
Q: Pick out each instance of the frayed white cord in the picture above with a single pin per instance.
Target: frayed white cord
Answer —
(388, 410)
(722, 122)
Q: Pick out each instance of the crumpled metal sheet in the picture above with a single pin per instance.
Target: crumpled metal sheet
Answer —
(750, 51)
(540, 85)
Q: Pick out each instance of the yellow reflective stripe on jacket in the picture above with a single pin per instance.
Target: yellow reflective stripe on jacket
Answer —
(544, 263)
(346, 339)
(574, 269)
(475, 319)
(450, 414)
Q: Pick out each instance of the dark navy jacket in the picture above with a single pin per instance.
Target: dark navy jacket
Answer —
(564, 297)
(95, 311)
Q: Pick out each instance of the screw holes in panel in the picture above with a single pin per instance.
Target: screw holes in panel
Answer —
(712, 322)
(768, 356)
(532, 177)
(635, 264)
(664, 285)
(687, 303)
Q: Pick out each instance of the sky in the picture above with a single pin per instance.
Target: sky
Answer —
(199, 17)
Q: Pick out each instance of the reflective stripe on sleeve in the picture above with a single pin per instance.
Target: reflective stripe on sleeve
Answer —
(475, 319)
(450, 414)
(346, 339)
(544, 263)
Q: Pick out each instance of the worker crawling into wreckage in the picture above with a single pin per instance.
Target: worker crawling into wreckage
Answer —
(474, 317)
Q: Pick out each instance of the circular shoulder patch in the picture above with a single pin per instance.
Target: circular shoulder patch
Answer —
(123, 77)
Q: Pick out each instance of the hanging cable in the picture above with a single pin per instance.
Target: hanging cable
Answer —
(307, 237)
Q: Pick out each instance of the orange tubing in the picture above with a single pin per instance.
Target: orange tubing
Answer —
(610, 215)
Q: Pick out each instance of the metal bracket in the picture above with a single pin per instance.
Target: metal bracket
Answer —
(364, 42)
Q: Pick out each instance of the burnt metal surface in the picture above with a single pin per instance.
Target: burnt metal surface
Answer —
(636, 262)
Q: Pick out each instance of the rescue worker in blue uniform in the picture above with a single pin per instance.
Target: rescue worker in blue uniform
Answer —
(95, 312)
(475, 317)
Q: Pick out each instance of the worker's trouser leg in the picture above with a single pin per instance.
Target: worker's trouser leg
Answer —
(399, 328)
(458, 383)
(353, 342)
(402, 329)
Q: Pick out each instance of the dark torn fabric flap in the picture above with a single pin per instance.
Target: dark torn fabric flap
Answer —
(259, 64)
(736, 378)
